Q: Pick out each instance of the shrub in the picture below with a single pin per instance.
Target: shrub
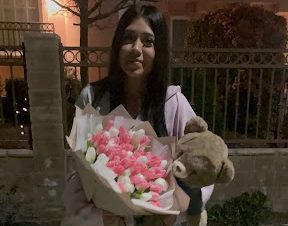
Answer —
(9, 208)
(240, 27)
(248, 209)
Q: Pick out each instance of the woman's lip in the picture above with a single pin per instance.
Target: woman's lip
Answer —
(135, 61)
(134, 64)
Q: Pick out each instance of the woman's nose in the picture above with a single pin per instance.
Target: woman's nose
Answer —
(137, 47)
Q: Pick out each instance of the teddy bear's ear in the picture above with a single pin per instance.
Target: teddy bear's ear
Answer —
(188, 137)
(196, 124)
(226, 173)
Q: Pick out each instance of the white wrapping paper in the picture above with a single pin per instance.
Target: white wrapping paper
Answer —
(98, 181)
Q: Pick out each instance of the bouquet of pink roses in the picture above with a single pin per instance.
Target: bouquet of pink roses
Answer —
(123, 166)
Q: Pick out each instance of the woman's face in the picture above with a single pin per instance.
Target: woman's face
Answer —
(137, 52)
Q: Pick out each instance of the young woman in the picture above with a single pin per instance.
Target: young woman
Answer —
(137, 79)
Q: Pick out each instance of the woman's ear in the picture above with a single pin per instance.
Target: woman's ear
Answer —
(226, 173)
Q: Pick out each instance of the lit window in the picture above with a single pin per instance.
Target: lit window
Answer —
(13, 16)
(19, 11)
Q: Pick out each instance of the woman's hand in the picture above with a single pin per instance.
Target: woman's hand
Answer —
(112, 219)
(159, 220)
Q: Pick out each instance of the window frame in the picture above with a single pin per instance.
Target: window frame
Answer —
(27, 9)
(172, 19)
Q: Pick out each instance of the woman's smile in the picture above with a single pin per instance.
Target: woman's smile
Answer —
(135, 63)
(137, 52)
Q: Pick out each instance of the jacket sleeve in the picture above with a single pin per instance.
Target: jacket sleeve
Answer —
(182, 113)
(85, 97)
(78, 211)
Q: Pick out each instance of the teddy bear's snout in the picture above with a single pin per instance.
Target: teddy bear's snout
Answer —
(179, 170)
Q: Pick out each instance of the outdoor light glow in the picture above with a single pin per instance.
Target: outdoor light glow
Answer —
(52, 7)
(24, 109)
(21, 126)
(22, 133)
(17, 112)
(25, 99)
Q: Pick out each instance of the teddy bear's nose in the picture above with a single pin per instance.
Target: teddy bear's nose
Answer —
(193, 172)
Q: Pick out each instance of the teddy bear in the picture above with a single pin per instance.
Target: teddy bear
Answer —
(201, 160)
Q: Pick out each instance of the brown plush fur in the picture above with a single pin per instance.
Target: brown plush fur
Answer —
(204, 155)
(202, 160)
(205, 158)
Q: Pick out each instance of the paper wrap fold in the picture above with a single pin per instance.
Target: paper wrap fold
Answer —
(104, 191)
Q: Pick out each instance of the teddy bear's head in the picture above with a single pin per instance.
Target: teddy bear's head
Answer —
(202, 156)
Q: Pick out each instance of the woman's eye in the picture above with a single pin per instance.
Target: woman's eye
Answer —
(127, 39)
(148, 42)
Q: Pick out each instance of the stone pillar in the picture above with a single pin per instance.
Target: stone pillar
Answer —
(44, 83)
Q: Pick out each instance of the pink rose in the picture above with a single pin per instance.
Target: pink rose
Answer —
(111, 164)
(95, 139)
(149, 174)
(155, 161)
(155, 203)
(156, 188)
(149, 155)
(118, 169)
(116, 140)
(124, 137)
(101, 148)
(139, 153)
(138, 168)
(155, 196)
(126, 147)
(122, 153)
(138, 178)
(126, 162)
(110, 154)
(121, 186)
(99, 139)
(143, 185)
(108, 124)
(145, 140)
(159, 172)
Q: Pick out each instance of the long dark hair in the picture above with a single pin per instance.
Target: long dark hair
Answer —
(153, 102)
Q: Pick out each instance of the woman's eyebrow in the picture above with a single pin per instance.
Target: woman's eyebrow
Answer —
(147, 34)
(143, 33)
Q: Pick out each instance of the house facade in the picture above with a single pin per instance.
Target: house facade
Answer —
(66, 25)
(40, 173)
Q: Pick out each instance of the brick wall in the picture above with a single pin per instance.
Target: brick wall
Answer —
(258, 169)
(44, 82)
(39, 174)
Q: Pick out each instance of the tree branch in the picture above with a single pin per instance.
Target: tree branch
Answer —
(66, 8)
(121, 5)
(95, 6)
(149, 0)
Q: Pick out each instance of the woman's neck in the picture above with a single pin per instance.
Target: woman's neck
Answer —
(133, 92)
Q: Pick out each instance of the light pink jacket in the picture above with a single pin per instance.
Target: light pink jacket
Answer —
(81, 213)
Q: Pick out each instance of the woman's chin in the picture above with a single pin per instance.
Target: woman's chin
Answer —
(135, 74)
